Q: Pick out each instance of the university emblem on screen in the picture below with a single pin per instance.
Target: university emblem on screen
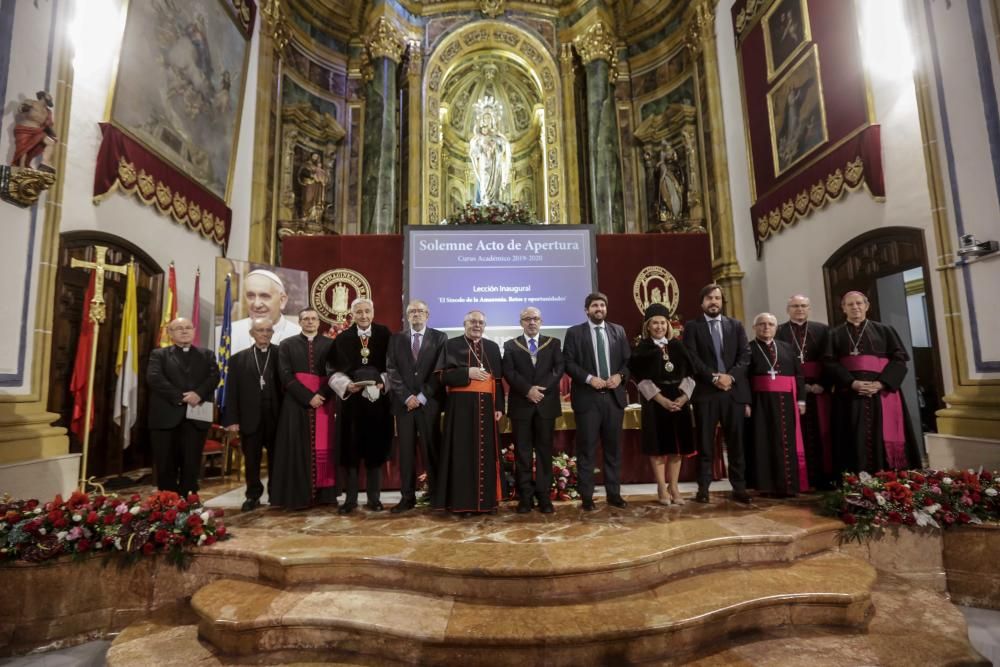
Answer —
(334, 290)
(654, 284)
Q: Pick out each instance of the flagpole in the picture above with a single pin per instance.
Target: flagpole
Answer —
(97, 317)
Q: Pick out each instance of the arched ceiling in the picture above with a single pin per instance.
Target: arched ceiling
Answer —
(491, 74)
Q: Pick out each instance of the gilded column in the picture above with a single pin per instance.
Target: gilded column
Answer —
(263, 226)
(414, 69)
(379, 171)
(596, 47)
(570, 166)
(725, 266)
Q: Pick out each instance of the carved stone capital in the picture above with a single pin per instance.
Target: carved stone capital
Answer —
(23, 186)
(597, 43)
(701, 28)
(414, 58)
(385, 41)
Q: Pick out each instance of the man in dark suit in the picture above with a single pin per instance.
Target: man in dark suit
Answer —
(533, 366)
(717, 346)
(179, 377)
(415, 398)
(253, 403)
(596, 354)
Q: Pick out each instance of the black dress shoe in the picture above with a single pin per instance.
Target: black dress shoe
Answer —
(617, 501)
(250, 504)
(404, 505)
(376, 506)
(701, 496)
(546, 508)
(524, 507)
(742, 497)
(347, 507)
(588, 505)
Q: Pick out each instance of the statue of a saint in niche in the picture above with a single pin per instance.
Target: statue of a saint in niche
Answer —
(671, 190)
(312, 179)
(489, 152)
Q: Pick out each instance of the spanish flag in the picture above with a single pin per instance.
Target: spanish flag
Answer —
(169, 310)
(127, 363)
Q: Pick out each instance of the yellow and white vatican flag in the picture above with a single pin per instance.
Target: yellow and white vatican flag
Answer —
(127, 363)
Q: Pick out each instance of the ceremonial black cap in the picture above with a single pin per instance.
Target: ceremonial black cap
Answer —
(655, 309)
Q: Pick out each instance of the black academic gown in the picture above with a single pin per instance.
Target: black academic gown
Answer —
(364, 428)
(773, 464)
(469, 457)
(293, 481)
(664, 432)
(808, 341)
(857, 420)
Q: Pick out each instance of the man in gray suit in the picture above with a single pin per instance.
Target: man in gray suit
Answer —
(415, 402)
(596, 354)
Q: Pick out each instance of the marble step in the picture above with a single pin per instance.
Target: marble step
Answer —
(241, 618)
(518, 559)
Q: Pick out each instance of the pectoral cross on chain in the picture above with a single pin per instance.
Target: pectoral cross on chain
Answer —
(773, 373)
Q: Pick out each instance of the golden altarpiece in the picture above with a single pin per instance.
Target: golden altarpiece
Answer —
(601, 112)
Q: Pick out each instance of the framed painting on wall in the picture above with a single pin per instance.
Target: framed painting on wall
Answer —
(179, 85)
(796, 113)
(786, 34)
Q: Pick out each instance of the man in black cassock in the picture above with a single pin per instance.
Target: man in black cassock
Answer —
(468, 479)
(808, 341)
(303, 472)
(179, 376)
(867, 362)
(776, 460)
(253, 403)
(533, 366)
(364, 423)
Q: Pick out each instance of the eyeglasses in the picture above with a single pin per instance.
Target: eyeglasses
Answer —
(531, 319)
(414, 311)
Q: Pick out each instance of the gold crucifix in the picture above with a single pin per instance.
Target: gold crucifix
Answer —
(97, 317)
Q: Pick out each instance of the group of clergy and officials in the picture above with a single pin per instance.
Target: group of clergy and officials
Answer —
(819, 401)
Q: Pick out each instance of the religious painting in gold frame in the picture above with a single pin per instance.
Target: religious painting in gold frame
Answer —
(178, 89)
(786, 34)
(797, 113)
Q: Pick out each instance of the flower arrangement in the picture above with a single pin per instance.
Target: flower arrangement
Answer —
(564, 477)
(938, 498)
(492, 214)
(88, 523)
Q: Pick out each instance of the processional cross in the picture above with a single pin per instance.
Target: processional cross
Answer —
(97, 317)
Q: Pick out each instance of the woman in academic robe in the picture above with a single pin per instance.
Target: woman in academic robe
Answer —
(663, 371)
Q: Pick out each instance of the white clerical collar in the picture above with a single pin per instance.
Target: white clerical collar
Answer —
(799, 324)
(262, 349)
(766, 342)
(182, 348)
(660, 341)
(364, 332)
(308, 337)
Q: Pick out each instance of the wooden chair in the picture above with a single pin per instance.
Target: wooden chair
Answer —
(216, 446)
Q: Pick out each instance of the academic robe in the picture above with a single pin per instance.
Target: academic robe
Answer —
(870, 433)
(808, 341)
(469, 456)
(664, 432)
(364, 427)
(776, 461)
(303, 457)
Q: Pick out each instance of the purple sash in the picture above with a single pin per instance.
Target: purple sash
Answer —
(785, 384)
(321, 444)
(813, 371)
(893, 430)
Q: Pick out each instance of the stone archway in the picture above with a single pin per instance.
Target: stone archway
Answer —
(523, 48)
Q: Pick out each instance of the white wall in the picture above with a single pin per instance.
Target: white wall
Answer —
(164, 239)
(20, 244)
(793, 260)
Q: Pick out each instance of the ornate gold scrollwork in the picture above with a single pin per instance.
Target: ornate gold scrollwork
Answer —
(492, 8)
(23, 186)
(597, 43)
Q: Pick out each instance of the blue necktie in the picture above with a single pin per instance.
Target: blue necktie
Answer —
(716, 327)
(532, 347)
(602, 355)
